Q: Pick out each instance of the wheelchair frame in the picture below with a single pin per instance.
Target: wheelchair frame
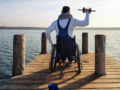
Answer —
(53, 62)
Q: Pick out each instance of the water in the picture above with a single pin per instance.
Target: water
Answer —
(33, 46)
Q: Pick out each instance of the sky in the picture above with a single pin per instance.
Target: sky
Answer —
(41, 13)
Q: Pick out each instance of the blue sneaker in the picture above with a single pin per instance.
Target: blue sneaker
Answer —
(53, 86)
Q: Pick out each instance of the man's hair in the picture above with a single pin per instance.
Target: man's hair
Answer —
(65, 9)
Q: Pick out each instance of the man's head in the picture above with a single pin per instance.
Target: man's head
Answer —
(66, 9)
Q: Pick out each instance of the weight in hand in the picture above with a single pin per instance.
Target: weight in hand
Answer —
(85, 10)
(90, 10)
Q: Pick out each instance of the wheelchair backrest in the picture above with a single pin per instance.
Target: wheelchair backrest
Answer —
(66, 47)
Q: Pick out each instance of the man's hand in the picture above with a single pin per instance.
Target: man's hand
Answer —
(86, 10)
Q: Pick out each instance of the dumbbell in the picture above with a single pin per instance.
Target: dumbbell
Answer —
(83, 10)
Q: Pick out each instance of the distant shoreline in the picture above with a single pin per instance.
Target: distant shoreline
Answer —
(27, 28)
(43, 28)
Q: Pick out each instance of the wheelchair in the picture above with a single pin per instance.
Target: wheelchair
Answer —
(65, 48)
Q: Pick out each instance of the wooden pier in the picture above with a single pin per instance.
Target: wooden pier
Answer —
(37, 76)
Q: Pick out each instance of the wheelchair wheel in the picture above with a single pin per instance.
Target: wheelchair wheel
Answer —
(78, 59)
(52, 62)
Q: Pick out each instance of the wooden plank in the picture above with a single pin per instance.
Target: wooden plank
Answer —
(37, 77)
(65, 86)
(30, 81)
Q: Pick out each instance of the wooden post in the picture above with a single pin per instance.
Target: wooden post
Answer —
(43, 44)
(18, 54)
(84, 43)
(100, 55)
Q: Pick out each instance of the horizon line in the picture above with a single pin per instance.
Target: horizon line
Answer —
(47, 27)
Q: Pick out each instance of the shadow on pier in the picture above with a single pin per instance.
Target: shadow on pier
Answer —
(65, 77)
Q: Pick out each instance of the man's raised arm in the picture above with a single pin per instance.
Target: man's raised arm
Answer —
(84, 22)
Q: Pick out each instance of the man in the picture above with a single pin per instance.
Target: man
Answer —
(64, 27)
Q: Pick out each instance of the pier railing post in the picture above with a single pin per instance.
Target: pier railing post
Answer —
(43, 44)
(18, 54)
(100, 67)
(84, 43)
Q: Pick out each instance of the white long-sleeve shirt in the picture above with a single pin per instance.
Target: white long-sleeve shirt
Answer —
(63, 22)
